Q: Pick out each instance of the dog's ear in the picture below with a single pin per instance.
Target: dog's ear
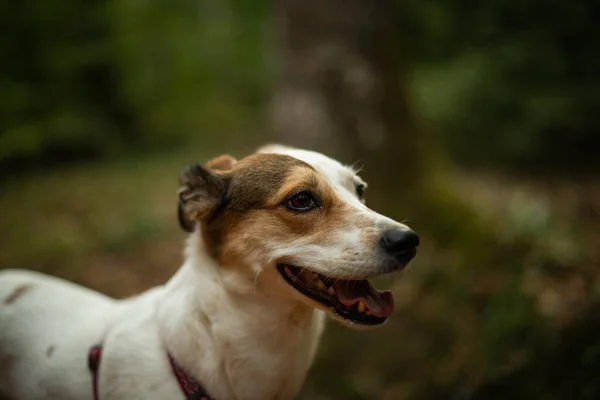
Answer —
(202, 191)
(223, 162)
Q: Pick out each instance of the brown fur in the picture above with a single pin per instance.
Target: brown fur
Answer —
(239, 193)
(249, 210)
(236, 213)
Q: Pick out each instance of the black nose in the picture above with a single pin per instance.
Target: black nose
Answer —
(400, 243)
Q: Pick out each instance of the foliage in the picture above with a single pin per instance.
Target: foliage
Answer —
(509, 83)
(96, 78)
(499, 83)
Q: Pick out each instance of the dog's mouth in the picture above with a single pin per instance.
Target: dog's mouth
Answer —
(355, 301)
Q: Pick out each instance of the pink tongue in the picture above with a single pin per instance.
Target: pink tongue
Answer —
(380, 304)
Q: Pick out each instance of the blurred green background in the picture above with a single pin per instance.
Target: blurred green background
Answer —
(475, 121)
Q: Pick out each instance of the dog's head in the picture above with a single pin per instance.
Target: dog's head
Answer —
(293, 223)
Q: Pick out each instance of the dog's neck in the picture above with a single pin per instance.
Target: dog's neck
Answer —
(238, 344)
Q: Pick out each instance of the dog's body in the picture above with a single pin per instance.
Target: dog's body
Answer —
(239, 350)
(230, 316)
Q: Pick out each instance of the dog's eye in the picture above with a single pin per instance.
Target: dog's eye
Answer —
(360, 191)
(302, 201)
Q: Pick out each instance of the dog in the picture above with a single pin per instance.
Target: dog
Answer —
(277, 241)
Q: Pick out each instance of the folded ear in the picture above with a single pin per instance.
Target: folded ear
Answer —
(223, 162)
(201, 193)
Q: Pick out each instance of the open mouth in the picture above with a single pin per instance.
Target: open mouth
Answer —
(353, 300)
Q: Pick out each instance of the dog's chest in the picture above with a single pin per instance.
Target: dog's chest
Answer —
(264, 376)
(267, 365)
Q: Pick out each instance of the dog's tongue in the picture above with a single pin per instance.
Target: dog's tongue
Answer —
(380, 304)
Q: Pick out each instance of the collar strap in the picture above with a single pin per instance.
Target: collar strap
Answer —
(189, 386)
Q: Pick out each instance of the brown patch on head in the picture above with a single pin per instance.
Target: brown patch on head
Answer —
(251, 226)
(300, 177)
(257, 221)
(50, 351)
(253, 184)
(258, 178)
(18, 292)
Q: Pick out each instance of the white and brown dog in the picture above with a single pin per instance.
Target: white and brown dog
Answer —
(278, 240)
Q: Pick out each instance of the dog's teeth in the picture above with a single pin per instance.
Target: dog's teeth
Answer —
(331, 291)
(321, 285)
(361, 307)
(315, 279)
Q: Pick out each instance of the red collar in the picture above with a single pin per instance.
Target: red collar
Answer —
(190, 388)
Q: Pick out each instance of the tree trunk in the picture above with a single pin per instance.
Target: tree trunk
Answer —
(341, 88)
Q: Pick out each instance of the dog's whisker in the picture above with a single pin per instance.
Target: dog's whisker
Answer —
(256, 279)
(297, 276)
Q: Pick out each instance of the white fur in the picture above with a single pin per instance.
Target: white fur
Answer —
(239, 341)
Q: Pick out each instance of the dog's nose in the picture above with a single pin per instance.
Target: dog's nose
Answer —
(400, 243)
